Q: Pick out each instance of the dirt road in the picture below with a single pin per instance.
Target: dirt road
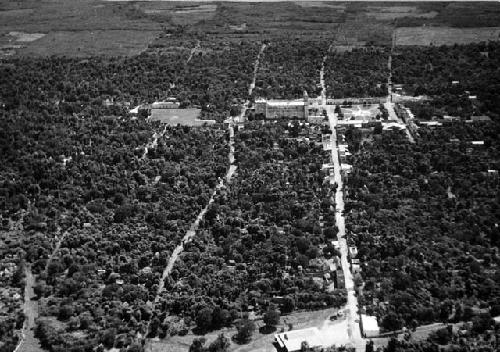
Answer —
(193, 51)
(28, 342)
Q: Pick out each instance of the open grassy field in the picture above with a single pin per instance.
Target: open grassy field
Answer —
(445, 35)
(90, 43)
(173, 117)
(393, 12)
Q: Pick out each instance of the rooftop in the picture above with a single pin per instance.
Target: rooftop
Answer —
(369, 322)
(282, 102)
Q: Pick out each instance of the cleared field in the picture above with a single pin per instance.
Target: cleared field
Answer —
(384, 15)
(445, 35)
(173, 117)
(26, 37)
(89, 43)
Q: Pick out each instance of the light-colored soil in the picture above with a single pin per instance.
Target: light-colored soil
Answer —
(445, 35)
(26, 37)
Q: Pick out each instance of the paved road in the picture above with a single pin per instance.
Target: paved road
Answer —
(352, 301)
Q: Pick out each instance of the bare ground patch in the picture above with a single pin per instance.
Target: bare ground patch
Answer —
(26, 37)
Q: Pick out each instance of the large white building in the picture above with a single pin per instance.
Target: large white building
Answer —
(369, 326)
(275, 109)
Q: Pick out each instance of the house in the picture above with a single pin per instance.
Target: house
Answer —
(336, 245)
(292, 341)
(353, 251)
(369, 326)
(430, 123)
(480, 118)
(169, 103)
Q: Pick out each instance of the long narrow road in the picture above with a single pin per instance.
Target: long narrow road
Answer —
(193, 51)
(28, 341)
(241, 117)
(352, 308)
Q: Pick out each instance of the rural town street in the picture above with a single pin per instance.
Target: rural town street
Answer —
(352, 302)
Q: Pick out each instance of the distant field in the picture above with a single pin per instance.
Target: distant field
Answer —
(88, 43)
(393, 12)
(444, 35)
(173, 117)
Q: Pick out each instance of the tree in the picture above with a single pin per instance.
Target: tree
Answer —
(245, 330)
(65, 312)
(391, 322)
(108, 338)
(197, 345)
(221, 344)
(271, 317)
(204, 319)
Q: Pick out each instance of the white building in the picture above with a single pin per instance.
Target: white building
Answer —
(273, 109)
(369, 325)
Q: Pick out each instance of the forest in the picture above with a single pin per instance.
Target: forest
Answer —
(360, 73)
(289, 68)
(460, 79)
(116, 211)
(411, 205)
(264, 242)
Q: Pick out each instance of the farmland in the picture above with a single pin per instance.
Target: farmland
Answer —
(444, 35)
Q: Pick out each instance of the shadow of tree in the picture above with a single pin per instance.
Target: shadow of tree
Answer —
(266, 329)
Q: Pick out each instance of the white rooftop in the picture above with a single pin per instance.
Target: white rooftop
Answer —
(286, 103)
(369, 323)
